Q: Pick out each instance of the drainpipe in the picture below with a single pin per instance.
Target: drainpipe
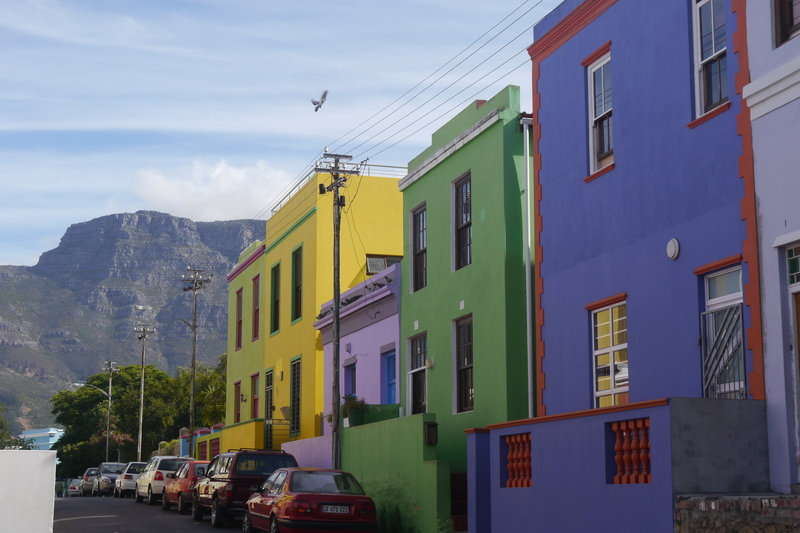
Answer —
(527, 124)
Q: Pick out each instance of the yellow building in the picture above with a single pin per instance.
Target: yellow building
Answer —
(275, 359)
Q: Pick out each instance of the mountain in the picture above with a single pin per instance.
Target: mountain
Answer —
(62, 318)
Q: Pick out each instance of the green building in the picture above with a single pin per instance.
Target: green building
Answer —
(463, 345)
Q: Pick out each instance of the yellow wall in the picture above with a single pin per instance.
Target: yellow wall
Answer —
(371, 224)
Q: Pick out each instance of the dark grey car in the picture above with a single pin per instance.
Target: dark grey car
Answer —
(104, 482)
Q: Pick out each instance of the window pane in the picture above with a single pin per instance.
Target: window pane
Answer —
(725, 284)
(607, 86)
(706, 32)
(603, 378)
(793, 259)
(602, 330)
(598, 92)
(620, 368)
(719, 25)
(620, 324)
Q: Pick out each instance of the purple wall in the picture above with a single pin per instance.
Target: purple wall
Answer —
(370, 328)
(609, 236)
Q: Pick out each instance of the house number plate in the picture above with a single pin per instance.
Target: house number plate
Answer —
(340, 509)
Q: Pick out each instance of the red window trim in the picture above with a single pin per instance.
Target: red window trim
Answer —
(597, 54)
(605, 302)
(605, 170)
(708, 116)
(716, 265)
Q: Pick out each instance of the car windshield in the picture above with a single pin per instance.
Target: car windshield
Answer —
(136, 468)
(113, 468)
(325, 482)
(262, 465)
(92, 471)
(170, 464)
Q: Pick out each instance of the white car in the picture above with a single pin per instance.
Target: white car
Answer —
(151, 481)
(126, 481)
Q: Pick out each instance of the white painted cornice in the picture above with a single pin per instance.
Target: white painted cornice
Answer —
(450, 148)
(774, 89)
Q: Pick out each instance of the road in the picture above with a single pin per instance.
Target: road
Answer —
(123, 515)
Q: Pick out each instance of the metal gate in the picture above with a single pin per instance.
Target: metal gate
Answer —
(723, 353)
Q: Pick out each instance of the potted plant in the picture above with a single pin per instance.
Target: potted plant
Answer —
(353, 408)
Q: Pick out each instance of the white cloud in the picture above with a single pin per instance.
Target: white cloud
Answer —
(208, 192)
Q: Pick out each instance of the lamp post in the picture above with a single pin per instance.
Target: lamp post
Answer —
(143, 331)
(111, 369)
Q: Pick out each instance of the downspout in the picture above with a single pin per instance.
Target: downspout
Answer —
(527, 124)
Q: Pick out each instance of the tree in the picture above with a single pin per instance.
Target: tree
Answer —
(209, 392)
(7, 440)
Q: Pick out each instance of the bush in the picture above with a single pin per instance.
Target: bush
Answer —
(398, 509)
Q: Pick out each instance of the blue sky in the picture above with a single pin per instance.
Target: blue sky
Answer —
(202, 108)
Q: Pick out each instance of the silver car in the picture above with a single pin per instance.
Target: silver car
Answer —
(104, 482)
(126, 481)
(87, 480)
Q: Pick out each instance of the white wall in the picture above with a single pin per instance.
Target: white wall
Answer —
(27, 492)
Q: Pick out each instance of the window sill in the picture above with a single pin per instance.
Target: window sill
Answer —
(296, 320)
(708, 116)
(605, 170)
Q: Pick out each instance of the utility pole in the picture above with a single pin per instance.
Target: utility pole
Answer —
(195, 281)
(110, 369)
(143, 332)
(339, 179)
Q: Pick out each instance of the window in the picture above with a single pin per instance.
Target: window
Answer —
(463, 222)
(787, 19)
(793, 263)
(601, 135)
(237, 402)
(254, 395)
(294, 399)
(256, 305)
(710, 53)
(297, 284)
(376, 263)
(722, 336)
(350, 379)
(420, 239)
(610, 332)
(465, 390)
(390, 377)
(239, 319)
(419, 354)
(275, 319)
(268, 407)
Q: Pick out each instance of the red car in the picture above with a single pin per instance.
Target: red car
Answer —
(179, 487)
(309, 500)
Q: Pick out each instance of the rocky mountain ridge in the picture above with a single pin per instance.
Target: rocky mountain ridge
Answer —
(62, 318)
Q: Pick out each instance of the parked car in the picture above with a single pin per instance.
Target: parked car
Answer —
(151, 481)
(225, 489)
(87, 480)
(104, 482)
(74, 487)
(180, 485)
(126, 481)
(292, 500)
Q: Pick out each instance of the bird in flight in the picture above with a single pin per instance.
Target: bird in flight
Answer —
(318, 103)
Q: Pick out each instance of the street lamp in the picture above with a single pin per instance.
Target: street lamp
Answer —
(111, 370)
(196, 282)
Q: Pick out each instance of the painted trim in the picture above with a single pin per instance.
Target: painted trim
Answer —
(562, 32)
(774, 89)
(582, 414)
(708, 116)
(247, 262)
(744, 127)
(255, 375)
(448, 150)
(785, 239)
(716, 265)
(289, 231)
(471, 431)
(605, 170)
(605, 302)
(596, 55)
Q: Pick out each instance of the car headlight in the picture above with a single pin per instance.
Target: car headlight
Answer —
(105, 479)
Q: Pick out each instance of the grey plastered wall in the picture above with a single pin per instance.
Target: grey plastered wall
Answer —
(719, 446)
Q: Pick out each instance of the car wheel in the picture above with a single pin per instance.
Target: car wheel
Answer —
(273, 525)
(151, 498)
(165, 503)
(183, 505)
(218, 517)
(247, 526)
(197, 511)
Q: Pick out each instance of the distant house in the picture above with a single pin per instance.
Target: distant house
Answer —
(42, 439)
(773, 96)
(650, 378)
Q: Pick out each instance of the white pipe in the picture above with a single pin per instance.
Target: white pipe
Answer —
(527, 124)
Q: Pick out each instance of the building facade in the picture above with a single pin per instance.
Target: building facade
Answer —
(773, 97)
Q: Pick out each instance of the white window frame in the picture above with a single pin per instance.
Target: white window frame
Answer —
(728, 299)
(594, 162)
(699, 82)
(456, 366)
(611, 391)
(466, 176)
(412, 227)
(410, 371)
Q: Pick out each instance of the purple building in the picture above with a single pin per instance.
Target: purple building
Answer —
(650, 380)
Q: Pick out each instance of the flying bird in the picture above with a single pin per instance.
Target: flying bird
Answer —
(318, 103)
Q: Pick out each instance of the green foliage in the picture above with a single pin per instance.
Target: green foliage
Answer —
(351, 403)
(397, 507)
(7, 438)
(209, 396)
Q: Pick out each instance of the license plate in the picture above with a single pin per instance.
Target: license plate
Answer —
(339, 509)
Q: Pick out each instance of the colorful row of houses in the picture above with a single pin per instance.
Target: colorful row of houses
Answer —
(569, 318)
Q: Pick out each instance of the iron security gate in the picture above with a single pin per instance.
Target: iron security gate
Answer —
(723, 353)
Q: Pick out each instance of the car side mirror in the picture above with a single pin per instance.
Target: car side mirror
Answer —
(209, 473)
